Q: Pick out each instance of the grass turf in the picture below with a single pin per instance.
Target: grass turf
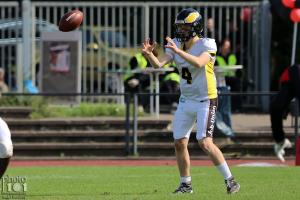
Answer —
(157, 183)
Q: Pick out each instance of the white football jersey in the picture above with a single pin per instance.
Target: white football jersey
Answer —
(197, 84)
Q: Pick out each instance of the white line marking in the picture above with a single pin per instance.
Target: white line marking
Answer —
(261, 164)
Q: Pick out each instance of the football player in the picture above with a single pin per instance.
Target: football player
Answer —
(6, 147)
(194, 56)
(289, 89)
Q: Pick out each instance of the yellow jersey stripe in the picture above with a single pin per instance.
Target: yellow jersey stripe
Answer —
(211, 81)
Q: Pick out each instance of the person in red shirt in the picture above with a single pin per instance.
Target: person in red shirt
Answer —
(289, 89)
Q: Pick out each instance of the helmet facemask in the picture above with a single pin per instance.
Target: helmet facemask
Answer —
(184, 32)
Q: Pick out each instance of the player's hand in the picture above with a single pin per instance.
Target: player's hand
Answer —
(148, 47)
(171, 45)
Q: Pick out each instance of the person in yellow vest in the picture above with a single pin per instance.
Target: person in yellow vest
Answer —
(132, 81)
(233, 78)
(141, 60)
(137, 82)
(226, 58)
(223, 117)
(170, 84)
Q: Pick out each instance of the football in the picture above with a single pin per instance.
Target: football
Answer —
(70, 21)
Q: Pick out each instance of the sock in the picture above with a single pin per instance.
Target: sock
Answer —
(185, 179)
(224, 170)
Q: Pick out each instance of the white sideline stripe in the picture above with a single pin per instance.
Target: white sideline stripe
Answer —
(261, 164)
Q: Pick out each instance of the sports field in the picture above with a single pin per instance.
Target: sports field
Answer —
(155, 182)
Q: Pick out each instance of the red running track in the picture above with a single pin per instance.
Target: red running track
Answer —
(129, 162)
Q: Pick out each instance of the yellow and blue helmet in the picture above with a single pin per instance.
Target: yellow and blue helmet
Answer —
(188, 24)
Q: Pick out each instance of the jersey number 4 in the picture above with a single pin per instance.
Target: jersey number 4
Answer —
(186, 74)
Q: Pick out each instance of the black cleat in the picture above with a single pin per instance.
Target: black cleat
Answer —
(184, 188)
(232, 186)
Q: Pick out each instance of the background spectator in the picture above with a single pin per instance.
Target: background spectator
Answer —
(211, 29)
(170, 84)
(138, 82)
(233, 79)
(3, 85)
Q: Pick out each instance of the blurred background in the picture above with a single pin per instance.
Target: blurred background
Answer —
(115, 106)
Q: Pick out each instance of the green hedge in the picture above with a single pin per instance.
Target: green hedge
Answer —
(82, 110)
(43, 107)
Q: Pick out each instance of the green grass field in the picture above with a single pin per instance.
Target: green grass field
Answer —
(157, 183)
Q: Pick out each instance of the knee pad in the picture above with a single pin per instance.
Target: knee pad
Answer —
(6, 149)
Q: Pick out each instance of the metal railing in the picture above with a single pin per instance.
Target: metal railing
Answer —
(265, 93)
(114, 31)
(131, 119)
(9, 42)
